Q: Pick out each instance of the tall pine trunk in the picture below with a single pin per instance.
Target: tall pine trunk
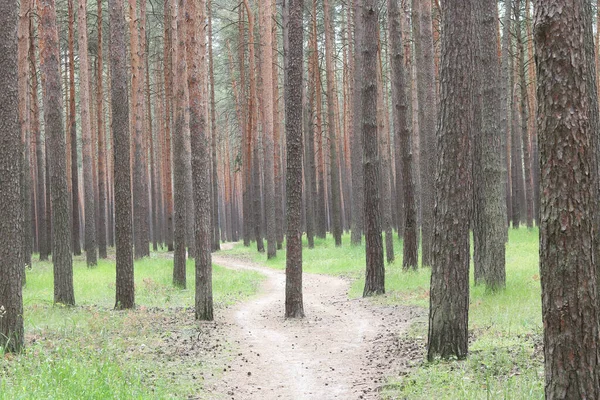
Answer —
(56, 150)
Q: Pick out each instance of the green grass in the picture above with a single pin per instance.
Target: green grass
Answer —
(92, 352)
(504, 361)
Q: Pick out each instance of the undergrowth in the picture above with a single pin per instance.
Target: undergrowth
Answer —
(505, 359)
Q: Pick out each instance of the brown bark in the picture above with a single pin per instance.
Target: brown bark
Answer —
(267, 105)
(101, 141)
(358, 210)
(181, 101)
(166, 155)
(23, 95)
(86, 136)
(125, 290)
(489, 213)
(516, 158)
(532, 104)
(201, 162)
(427, 124)
(216, 240)
(384, 133)
(506, 113)
(402, 135)
(277, 128)
(73, 136)
(567, 123)
(293, 57)
(449, 293)
(525, 115)
(137, 125)
(43, 239)
(11, 207)
(253, 131)
(375, 274)
(332, 128)
(321, 211)
(61, 231)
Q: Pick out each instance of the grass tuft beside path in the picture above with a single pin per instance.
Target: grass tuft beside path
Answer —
(505, 360)
(92, 352)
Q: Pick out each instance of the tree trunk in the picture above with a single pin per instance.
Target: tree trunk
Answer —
(277, 128)
(73, 136)
(293, 59)
(489, 204)
(427, 123)
(23, 95)
(267, 105)
(402, 135)
(86, 136)
(201, 163)
(449, 298)
(332, 127)
(61, 231)
(179, 266)
(506, 111)
(566, 126)
(166, 155)
(137, 124)
(101, 141)
(216, 240)
(516, 158)
(384, 133)
(125, 291)
(11, 212)
(358, 209)
(43, 239)
(525, 115)
(375, 274)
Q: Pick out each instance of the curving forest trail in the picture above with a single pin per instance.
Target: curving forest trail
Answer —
(343, 349)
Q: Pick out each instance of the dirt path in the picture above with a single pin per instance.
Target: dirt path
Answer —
(343, 349)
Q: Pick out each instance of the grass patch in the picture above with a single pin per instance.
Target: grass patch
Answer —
(92, 352)
(505, 360)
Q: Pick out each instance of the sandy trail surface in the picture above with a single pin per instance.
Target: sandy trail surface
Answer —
(343, 349)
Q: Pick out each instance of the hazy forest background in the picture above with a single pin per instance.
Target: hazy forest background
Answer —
(424, 171)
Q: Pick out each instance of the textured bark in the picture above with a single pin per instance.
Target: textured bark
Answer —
(24, 117)
(267, 105)
(358, 208)
(427, 124)
(201, 162)
(321, 209)
(146, 132)
(168, 65)
(277, 128)
(137, 124)
(86, 136)
(125, 290)
(516, 157)
(43, 239)
(402, 135)
(253, 132)
(72, 132)
(567, 123)
(525, 115)
(292, 23)
(489, 212)
(179, 270)
(332, 128)
(59, 190)
(384, 133)
(375, 272)
(506, 114)
(532, 104)
(216, 240)
(310, 172)
(11, 207)
(449, 292)
(101, 140)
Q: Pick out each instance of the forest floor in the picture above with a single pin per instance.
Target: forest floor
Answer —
(343, 349)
